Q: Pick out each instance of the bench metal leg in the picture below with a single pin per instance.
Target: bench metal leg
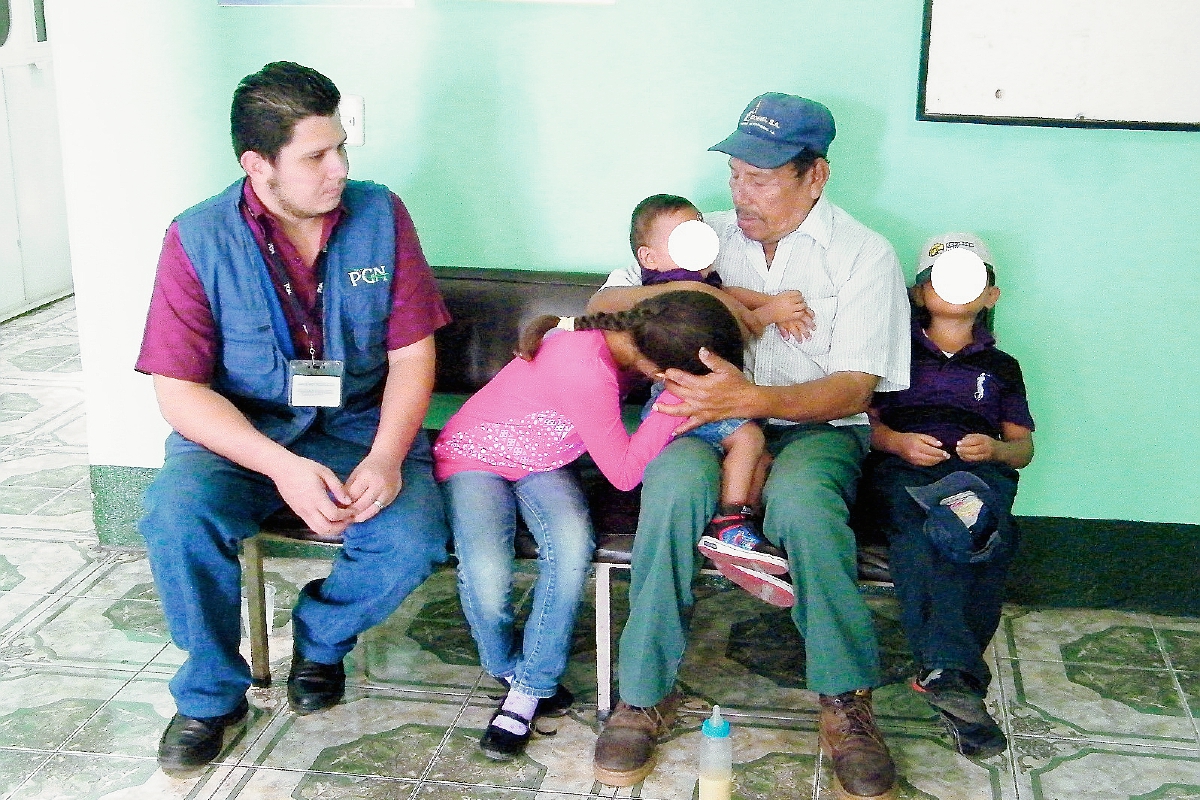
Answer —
(256, 602)
(603, 641)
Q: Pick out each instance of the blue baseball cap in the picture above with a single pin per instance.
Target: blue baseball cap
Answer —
(775, 128)
(960, 517)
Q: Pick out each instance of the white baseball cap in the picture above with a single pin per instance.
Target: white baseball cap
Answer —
(948, 241)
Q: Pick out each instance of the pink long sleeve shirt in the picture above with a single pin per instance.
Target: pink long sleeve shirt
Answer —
(536, 416)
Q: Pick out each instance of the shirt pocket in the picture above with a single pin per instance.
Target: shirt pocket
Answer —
(251, 364)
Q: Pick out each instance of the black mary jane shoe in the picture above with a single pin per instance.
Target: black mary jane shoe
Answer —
(313, 686)
(189, 743)
(554, 706)
(500, 744)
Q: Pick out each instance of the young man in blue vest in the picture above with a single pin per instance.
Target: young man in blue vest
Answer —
(290, 338)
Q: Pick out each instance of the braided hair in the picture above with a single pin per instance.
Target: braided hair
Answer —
(669, 329)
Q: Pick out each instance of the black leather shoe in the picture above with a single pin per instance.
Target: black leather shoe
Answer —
(189, 743)
(313, 686)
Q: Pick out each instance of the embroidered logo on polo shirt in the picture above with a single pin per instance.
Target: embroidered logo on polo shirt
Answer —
(368, 275)
(979, 382)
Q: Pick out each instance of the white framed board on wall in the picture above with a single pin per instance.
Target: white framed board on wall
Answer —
(1066, 63)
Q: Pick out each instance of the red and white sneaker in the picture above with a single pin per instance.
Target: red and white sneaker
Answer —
(765, 587)
(734, 539)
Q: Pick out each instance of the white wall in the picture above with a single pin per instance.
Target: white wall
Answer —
(520, 135)
(141, 140)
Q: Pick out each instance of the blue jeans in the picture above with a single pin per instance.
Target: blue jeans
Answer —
(201, 506)
(482, 507)
(949, 612)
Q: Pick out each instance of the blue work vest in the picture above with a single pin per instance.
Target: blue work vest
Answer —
(254, 344)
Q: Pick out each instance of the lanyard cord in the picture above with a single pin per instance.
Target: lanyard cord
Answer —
(306, 317)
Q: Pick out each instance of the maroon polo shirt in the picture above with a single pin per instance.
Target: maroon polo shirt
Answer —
(180, 340)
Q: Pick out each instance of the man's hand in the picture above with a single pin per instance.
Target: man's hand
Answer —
(721, 394)
(314, 492)
(372, 486)
(790, 313)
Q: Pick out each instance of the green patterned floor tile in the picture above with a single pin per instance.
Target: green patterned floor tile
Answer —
(1125, 645)
(10, 576)
(46, 726)
(45, 359)
(1096, 701)
(25, 500)
(32, 572)
(929, 767)
(1189, 682)
(122, 727)
(68, 777)
(263, 783)
(460, 759)
(1145, 691)
(1171, 791)
(99, 633)
(1121, 639)
(58, 478)
(417, 651)
(1183, 648)
(16, 766)
(70, 365)
(1096, 772)
(14, 405)
(372, 733)
(72, 501)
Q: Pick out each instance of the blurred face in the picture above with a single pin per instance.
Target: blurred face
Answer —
(925, 296)
(771, 203)
(308, 176)
(654, 254)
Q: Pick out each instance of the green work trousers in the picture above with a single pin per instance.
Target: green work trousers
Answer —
(807, 496)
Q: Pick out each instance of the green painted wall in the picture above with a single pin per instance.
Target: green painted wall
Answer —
(521, 135)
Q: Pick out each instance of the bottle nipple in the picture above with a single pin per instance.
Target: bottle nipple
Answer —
(715, 725)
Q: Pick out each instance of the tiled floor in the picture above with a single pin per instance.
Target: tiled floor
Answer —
(1098, 704)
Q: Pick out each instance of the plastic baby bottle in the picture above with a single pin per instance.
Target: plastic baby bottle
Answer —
(716, 758)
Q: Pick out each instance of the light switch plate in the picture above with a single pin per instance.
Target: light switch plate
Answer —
(353, 111)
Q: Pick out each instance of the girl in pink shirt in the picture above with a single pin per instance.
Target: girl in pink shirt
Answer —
(508, 447)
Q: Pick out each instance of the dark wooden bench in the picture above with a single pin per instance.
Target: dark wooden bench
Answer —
(489, 307)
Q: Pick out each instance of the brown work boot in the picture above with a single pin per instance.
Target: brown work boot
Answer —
(625, 748)
(862, 764)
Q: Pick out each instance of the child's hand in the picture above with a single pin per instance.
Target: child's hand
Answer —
(977, 447)
(919, 449)
(790, 312)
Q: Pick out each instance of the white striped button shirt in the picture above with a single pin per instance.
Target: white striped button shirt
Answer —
(850, 278)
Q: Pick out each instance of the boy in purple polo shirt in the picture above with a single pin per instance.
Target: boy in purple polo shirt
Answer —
(941, 482)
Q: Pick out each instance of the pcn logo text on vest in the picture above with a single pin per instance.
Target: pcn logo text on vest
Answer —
(367, 275)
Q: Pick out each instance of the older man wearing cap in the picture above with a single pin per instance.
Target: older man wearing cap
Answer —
(811, 386)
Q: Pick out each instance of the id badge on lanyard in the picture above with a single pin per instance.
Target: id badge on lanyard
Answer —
(315, 383)
(311, 381)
